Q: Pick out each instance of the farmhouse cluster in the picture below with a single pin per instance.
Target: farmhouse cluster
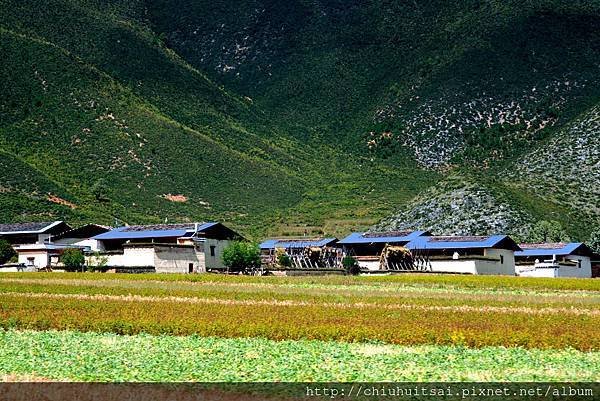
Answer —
(198, 247)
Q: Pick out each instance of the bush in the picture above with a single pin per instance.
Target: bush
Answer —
(240, 256)
(73, 259)
(284, 260)
(350, 265)
(7, 253)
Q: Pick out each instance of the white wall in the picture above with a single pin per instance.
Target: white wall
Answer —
(41, 258)
(92, 244)
(584, 270)
(113, 259)
(42, 238)
(505, 267)
(453, 266)
(372, 265)
(471, 266)
(138, 256)
(217, 260)
(177, 259)
(539, 272)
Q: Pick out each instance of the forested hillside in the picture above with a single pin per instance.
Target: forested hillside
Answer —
(301, 117)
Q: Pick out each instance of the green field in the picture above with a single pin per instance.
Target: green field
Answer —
(224, 328)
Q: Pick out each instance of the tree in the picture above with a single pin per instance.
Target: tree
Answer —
(7, 253)
(73, 259)
(594, 241)
(241, 256)
(547, 231)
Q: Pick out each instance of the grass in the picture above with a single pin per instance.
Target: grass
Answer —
(406, 310)
(101, 357)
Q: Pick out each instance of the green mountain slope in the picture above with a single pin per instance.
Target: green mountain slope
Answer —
(81, 126)
(96, 101)
(301, 117)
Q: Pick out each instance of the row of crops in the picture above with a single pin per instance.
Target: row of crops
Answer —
(404, 310)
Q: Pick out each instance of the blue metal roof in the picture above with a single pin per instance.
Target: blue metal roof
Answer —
(121, 233)
(363, 238)
(455, 243)
(552, 249)
(295, 243)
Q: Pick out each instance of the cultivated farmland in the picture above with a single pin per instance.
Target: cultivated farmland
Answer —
(223, 328)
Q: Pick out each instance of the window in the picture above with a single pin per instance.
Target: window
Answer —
(212, 250)
(30, 261)
(501, 259)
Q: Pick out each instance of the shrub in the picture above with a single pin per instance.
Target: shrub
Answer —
(7, 253)
(350, 265)
(240, 256)
(284, 260)
(73, 259)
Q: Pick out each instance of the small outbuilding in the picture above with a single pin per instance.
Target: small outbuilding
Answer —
(554, 260)
(34, 257)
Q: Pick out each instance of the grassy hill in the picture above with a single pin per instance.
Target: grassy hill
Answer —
(300, 117)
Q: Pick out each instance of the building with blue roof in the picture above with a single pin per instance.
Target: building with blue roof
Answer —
(555, 260)
(487, 255)
(184, 248)
(421, 251)
(367, 247)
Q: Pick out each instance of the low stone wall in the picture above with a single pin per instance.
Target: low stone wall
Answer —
(307, 272)
(133, 269)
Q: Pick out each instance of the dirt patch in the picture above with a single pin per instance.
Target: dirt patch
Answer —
(60, 201)
(175, 198)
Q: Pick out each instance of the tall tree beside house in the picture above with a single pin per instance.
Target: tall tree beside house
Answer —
(547, 231)
(7, 253)
(73, 259)
(241, 256)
